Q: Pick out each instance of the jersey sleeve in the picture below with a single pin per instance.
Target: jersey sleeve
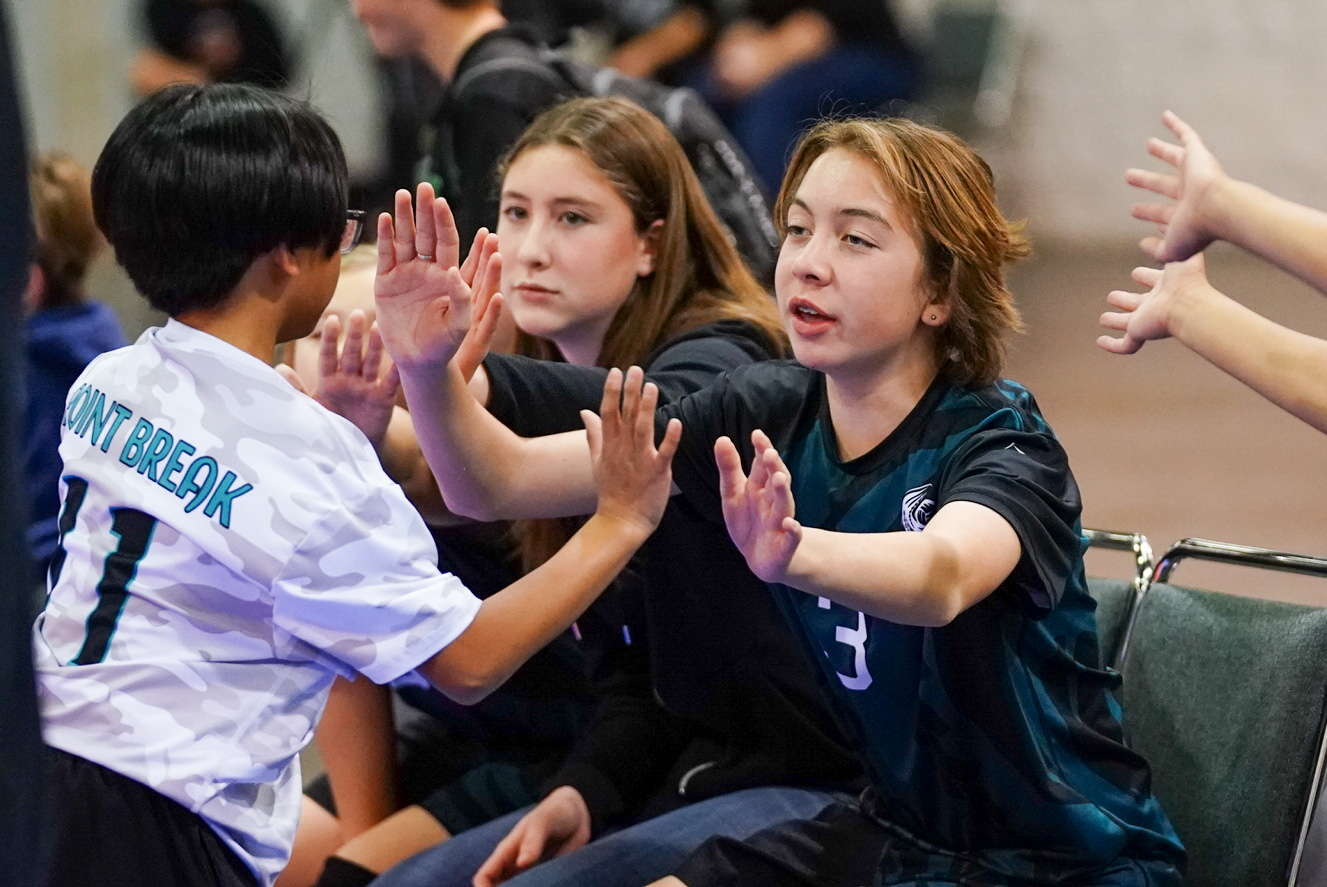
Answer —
(1024, 476)
(363, 587)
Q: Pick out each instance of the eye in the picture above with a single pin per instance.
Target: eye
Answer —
(514, 213)
(574, 218)
(858, 241)
(795, 231)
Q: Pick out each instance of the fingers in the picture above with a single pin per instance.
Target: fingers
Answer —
(1170, 153)
(1125, 301)
(386, 249)
(1187, 135)
(403, 239)
(1161, 183)
(328, 346)
(448, 248)
(608, 404)
(732, 480)
(1154, 247)
(594, 432)
(501, 863)
(472, 258)
(352, 350)
(426, 228)
(1148, 277)
(1123, 345)
(672, 437)
(288, 373)
(1153, 212)
(479, 340)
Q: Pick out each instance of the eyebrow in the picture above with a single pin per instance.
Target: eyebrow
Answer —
(851, 212)
(556, 201)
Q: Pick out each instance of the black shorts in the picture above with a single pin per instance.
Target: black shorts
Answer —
(846, 846)
(110, 831)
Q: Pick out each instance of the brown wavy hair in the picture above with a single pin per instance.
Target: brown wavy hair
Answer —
(699, 278)
(948, 193)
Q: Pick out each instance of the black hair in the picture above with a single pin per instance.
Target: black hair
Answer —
(198, 181)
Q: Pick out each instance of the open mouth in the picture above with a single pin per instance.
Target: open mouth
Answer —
(805, 311)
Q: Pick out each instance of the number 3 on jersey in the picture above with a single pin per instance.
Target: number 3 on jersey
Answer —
(856, 639)
(133, 529)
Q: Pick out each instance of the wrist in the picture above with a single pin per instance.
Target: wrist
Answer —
(620, 525)
(1219, 206)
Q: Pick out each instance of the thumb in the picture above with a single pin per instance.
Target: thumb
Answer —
(729, 463)
(532, 844)
(594, 431)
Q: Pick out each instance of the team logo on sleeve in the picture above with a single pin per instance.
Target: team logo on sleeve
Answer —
(918, 507)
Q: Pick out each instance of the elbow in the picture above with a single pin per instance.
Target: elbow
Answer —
(476, 508)
(467, 687)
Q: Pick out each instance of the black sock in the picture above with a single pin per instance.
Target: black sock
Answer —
(338, 872)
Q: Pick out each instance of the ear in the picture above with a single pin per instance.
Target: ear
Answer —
(649, 253)
(935, 313)
(285, 262)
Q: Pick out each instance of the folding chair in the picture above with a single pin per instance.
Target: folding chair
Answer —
(1226, 696)
(1116, 597)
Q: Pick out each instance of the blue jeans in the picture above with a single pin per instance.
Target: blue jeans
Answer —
(630, 857)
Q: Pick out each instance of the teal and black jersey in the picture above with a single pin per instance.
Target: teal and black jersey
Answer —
(997, 736)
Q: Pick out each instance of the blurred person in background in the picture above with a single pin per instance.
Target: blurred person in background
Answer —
(65, 330)
(207, 41)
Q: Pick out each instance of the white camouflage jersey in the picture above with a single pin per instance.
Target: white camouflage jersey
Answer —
(227, 547)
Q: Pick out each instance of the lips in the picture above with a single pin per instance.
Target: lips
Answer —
(532, 291)
(807, 317)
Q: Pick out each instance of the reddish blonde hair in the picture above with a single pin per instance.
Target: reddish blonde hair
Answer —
(948, 194)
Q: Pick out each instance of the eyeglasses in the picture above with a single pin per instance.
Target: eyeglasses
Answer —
(354, 228)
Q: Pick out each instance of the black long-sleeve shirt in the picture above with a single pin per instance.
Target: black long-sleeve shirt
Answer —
(716, 696)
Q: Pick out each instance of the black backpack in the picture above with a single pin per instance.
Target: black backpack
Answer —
(720, 164)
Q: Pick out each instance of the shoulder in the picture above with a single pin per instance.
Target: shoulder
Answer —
(1002, 404)
(507, 64)
(735, 337)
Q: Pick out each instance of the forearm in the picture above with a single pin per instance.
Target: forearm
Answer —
(913, 578)
(513, 624)
(1286, 367)
(802, 36)
(901, 577)
(679, 34)
(483, 469)
(403, 460)
(356, 740)
(1280, 231)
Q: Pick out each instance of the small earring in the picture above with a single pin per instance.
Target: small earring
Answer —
(932, 317)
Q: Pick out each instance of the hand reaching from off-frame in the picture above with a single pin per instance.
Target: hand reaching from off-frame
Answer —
(1144, 317)
(1184, 225)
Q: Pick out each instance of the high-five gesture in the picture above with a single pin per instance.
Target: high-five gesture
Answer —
(1186, 225)
(1144, 317)
(758, 508)
(633, 476)
(423, 298)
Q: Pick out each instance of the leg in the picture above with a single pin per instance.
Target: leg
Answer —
(453, 862)
(652, 849)
(840, 847)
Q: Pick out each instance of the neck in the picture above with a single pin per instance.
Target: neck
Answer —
(452, 33)
(864, 412)
(250, 317)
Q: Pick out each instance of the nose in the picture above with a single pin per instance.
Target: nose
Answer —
(809, 262)
(531, 247)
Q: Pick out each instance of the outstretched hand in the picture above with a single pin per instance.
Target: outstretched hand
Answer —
(423, 299)
(633, 476)
(356, 383)
(1146, 316)
(758, 508)
(1184, 225)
